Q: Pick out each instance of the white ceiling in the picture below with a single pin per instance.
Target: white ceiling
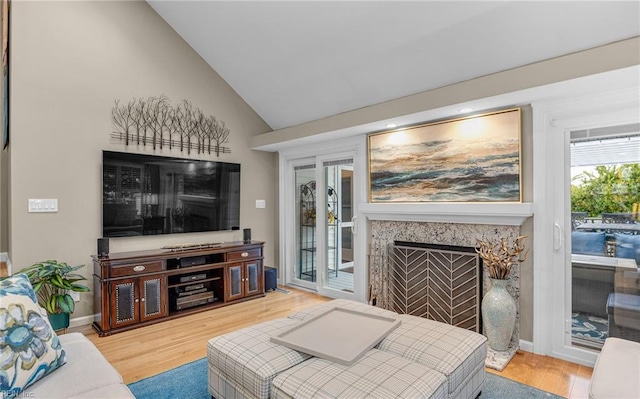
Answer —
(298, 61)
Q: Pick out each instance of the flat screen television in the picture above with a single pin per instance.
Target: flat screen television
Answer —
(148, 194)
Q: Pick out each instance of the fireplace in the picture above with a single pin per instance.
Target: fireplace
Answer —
(385, 233)
(437, 282)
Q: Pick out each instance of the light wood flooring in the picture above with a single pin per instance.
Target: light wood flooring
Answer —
(150, 350)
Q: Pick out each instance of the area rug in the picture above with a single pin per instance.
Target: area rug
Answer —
(589, 330)
(190, 381)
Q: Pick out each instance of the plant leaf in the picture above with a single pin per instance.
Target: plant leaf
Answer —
(38, 286)
(66, 303)
(79, 288)
(51, 304)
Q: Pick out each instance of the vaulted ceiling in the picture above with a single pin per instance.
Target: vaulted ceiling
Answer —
(298, 61)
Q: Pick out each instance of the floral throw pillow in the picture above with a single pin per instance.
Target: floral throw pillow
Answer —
(29, 348)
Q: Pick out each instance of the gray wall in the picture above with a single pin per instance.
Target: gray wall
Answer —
(526, 268)
(70, 61)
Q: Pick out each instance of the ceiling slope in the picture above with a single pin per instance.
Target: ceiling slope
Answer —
(294, 62)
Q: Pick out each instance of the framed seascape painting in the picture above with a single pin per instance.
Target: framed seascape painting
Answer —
(471, 159)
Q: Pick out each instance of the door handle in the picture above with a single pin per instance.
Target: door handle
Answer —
(558, 236)
(353, 224)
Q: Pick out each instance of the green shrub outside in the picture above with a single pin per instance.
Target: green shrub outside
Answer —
(608, 189)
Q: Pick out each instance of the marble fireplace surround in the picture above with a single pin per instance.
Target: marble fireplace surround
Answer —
(445, 224)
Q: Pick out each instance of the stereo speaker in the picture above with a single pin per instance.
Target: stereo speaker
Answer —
(103, 247)
(246, 233)
(192, 261)
(270, 278)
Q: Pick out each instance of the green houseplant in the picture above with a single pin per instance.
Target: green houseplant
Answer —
(52, 281)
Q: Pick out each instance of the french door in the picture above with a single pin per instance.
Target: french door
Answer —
(319, 240)
(575, 278)
(338, 182)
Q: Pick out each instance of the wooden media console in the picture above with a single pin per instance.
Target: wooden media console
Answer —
(134, 289)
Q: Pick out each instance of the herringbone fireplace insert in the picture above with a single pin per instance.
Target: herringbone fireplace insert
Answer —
(438, 282)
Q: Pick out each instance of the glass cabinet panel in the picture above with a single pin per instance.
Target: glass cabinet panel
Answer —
(125, 305)
(235, 281)
(252, 278)
(151, 297)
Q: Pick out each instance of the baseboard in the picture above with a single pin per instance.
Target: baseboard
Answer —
(526, 346)
(81, 321)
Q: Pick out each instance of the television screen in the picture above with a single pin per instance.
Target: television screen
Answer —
(149, 194)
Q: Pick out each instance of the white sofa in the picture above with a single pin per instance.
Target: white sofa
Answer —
(616, 374)
(421, 358)
(87, 374)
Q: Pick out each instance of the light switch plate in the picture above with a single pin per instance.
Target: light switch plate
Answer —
(43, 205)
(74, 295)
(261, 203)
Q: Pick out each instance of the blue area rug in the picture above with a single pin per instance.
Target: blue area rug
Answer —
(186, 381)
(589, 330)
(190, 381)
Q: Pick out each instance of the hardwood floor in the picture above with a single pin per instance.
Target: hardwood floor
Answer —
(147, 351)
(553, 375)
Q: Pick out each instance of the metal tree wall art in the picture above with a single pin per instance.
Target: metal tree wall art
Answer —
(154, 121)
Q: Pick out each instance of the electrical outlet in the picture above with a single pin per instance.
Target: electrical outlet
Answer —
(74, 295)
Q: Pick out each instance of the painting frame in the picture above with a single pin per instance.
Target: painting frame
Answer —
(5, 21)
(471, 159)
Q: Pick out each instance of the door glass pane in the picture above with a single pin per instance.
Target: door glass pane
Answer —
(236, 282)
(124, 302)
(346, 207)
(306, 223)
(339, 189)
(151, 297)
(605, 236)
(252, 278)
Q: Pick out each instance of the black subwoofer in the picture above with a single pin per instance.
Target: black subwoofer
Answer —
(270, 278)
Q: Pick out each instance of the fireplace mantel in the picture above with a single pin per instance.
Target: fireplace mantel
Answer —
(506, 214)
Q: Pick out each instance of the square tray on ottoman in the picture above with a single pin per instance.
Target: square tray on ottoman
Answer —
(340, 335)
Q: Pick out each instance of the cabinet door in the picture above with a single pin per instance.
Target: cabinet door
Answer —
(253, 278)
(235, 280)
(124, 302)
(153, 301)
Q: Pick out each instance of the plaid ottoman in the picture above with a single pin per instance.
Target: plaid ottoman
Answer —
(456, 353)
(377, 375)
(243, 363)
